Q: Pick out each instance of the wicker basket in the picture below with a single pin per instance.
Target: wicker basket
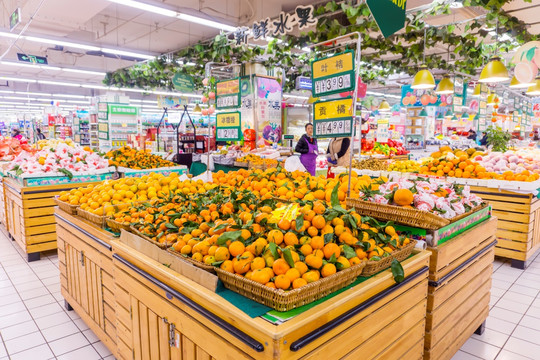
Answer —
(287, 300)
(93, 218)
(137, 232)
(116, 226)
(199, 264)
(411, 217)
(70, 209)
(241, 164)
(373, 267)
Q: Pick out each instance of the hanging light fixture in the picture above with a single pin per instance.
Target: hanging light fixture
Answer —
(515, 84)
(449, 113)
(535, 89)
(424, 78)
(477, 90)
(440, 116)
(197, 109)
(423, 113)
(494, 71)
(492, 99)
(384, 106)
(445, 87)
(455, 118)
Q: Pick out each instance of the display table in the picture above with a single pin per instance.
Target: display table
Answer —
(460, 272)
(3, 211)
(30, 214)
(197, 168)
(159, 313)
(518, 229)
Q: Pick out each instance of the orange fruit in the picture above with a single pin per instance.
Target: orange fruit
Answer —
(331, 249)
(314, 261)
(317, 242)
(355, 260)
(282, 282)
(186, 250)
(284, 224)
(306, 249)
(241, 266)
(290, 239)
(270, 285)
(347, 238)
(275, 236)
(292, 274)
(236, 248)
(328, 269)
(312, 231)
(280, 267)
(298, 283)
(260, 276)
(318, 222)
(258, 263)
(222, 253)
(311, 276)
(301, 267)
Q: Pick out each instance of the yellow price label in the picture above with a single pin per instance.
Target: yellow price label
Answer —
(231, 119)
(333, 109)
(333, 65)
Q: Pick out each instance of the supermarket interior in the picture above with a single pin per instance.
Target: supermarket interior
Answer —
(285, 179)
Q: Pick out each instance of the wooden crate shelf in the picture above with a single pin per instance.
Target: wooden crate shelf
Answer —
(459, 289)
(30, 215)
(518, 229)
(3, 212)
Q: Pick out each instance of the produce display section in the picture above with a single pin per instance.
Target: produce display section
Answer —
(459, 289)
(29, 214)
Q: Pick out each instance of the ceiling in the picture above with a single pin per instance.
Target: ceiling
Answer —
(107, 24)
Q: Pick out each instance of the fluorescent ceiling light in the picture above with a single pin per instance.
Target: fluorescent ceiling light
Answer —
(206, 22)
(126, 53)
(17, 79)
(47, 82)
(296, 96)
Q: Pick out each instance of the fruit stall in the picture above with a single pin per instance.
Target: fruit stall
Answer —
(130, 162)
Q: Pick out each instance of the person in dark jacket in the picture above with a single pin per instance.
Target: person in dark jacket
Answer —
(472, 135)
(484, 140)
(40, 135)
(307, 147)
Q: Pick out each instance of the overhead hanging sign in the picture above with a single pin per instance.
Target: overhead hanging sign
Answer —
(333, 74)
(333, 118)
(103, 111)
(228, 126)
(285, 23)
(303, 83)
(183, 82)
(389, 15)
(39, 60)
(382, 133)
(164, 101)
(228, 94)
(122, 110)
(14, 19)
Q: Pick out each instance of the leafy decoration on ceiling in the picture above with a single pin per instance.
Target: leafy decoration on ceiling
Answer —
(402, 52)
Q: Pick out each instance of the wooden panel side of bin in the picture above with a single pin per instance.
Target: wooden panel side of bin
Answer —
(518, 229)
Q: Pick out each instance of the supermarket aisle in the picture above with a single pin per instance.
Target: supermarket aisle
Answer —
(513, 326)
(33, 322)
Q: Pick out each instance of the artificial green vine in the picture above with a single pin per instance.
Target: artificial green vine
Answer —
(401, 52)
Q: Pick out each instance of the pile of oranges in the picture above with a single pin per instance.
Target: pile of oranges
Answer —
(236, 224)
(136, 159)
(257, 160)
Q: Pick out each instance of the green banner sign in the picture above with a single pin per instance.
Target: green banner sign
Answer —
(333, 118)
(389, 14)
(228, 94)
(183, 82)
(122, 110)
(333, 74)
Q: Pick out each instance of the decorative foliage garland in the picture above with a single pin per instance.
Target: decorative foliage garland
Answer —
(401, 52)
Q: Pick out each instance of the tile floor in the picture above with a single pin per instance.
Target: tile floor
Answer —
(34, 324)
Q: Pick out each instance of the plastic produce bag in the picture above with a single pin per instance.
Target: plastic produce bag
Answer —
(293, 163)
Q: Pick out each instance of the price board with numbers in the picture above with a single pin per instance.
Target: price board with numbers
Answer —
(228, 126)
(228, 94)
(334, 74)
(333, 118)
(103, 130)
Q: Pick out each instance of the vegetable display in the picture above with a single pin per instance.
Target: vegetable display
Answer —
(391, 148)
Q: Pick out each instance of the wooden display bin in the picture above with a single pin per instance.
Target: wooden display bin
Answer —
(86, 274)
(164, 315)
(460, 272)
(3, 211)
(30, 215)
(518, 229)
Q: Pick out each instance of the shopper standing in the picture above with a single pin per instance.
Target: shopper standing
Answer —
(339, 150)
(16, 134)
(40, 135)
(307, 147)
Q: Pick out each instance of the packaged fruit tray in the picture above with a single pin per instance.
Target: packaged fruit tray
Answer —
(282, 300)
(62, 179)
(67, 207)
(199, 264)
(372, 267)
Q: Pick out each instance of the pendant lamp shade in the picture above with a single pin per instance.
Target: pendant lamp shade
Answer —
(384, 106)
(423, 79)
(440, 116)
(492, 99)
(454, 118)
(494, 71)
(445, 87)
(423, 113)
(535, 89)
(197, 109)
(449, 113)
(515, 84)
(477, 116)
(477, 90)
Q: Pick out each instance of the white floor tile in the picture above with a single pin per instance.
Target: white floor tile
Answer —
(534, 312)
(89, 334)
(24, 342)
(52, 280)
(46, 310)
(14, 318)
(498, 292)
(49, 274)
(11, 308)
(29, 285)
(24, 279)
(101, 349)
(8, 291)
(4, 284)
(462, 355)
(507, 355)
(500, 284)
(58, 296)
(492, 337)
(522, 347)
(54, 288)
(85, 353)
(52, 320)
(527, 334)
(529, 283)
(480, 349)
(17, 330)
(39, 301)
(505, 314)
(68, 343)
(505, 276)
(38, 352)
(518, 298)
(9, 299)
(60, 331)
(29, 294)
(493, 300)
(525, 290)
(530, 322)
(512, 305)
(499, 325)
(81, 324)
